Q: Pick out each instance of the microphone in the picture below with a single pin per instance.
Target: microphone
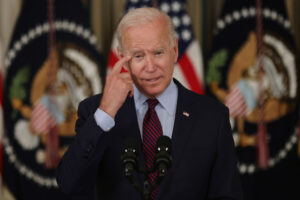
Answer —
(129, 161)
(129, 158)
(162, 162)
(163, 158)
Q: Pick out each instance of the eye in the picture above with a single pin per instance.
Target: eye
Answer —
(138, 56)
(158, 52)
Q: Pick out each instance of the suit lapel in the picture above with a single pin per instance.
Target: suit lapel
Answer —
(129, 129)
(181, 133)
(128, 121)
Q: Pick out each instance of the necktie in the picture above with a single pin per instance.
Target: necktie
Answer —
(152, 130)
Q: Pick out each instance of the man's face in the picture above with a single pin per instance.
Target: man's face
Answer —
(153, 56)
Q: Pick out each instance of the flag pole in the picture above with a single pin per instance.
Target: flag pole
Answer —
(52, 142)
(262, 143)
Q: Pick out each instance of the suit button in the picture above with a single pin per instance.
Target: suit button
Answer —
(88, 150)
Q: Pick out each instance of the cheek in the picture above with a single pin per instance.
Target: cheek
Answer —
(168, 66)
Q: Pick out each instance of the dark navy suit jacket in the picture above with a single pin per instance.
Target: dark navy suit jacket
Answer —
(204, 161)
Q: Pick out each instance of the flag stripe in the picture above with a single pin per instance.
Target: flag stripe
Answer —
(112, 59)
(41, 120)
(190, 74)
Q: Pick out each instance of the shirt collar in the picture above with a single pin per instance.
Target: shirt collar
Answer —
(168, 99)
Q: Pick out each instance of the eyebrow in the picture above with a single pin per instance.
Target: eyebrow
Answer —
(133, 52)
(160, 49)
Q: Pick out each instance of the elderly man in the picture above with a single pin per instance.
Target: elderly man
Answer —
(144, 103)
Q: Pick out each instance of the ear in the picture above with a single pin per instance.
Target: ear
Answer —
(175, 49)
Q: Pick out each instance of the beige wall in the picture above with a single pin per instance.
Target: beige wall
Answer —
(9, 10)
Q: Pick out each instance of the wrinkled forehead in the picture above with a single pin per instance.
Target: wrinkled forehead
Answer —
(146, 38)
(137, 22)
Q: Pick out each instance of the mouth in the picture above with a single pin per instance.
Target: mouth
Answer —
(152, 80)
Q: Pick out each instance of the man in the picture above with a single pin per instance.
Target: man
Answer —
(204, 161)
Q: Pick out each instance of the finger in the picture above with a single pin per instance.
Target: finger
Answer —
(126, 65)
(131, 91)
(127, 79)
(118, 66)
(125, 75)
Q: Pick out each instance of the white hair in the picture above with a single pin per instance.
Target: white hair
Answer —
(141, 16)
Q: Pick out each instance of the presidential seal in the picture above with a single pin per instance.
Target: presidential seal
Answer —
(33, 106)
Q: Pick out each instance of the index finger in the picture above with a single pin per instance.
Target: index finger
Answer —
(118, 66)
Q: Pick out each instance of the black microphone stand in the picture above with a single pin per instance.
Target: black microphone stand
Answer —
(161, 169)
(148, 189)
(162, 163)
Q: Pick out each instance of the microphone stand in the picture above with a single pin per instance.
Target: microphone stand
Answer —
(148, 189)
(134, 183)
(162, 163)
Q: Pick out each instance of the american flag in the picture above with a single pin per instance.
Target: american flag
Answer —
(44, 116)
(242, 98)
(236, 103)
(189, 68)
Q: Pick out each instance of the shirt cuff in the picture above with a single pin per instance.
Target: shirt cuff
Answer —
(103, 120)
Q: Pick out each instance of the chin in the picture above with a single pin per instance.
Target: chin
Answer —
(153, 92)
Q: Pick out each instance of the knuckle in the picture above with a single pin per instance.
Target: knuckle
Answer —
(123, 87)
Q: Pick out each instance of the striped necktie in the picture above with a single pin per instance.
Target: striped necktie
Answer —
(152, 130)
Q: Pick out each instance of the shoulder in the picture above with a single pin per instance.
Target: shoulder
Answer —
(206, 101)
(92, 99)
(90, 103)
(200, 102)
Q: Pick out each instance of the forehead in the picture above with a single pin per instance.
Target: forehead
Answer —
(151, 35)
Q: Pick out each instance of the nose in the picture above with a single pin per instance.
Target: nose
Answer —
(150, 64)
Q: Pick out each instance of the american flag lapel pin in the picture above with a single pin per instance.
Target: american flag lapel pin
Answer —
(186, 114)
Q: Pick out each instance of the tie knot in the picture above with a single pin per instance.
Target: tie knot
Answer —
(152, 103)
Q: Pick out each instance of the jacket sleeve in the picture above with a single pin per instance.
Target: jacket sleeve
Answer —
(77, 170)
(225, 180)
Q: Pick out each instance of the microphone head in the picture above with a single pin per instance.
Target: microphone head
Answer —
(164, 142)
(163, 157)
(129, 157)
(131, 144)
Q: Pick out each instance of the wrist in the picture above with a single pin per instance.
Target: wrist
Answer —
(108, 110)
(103, 120)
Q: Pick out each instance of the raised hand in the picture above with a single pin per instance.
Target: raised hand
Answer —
(117, 87)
